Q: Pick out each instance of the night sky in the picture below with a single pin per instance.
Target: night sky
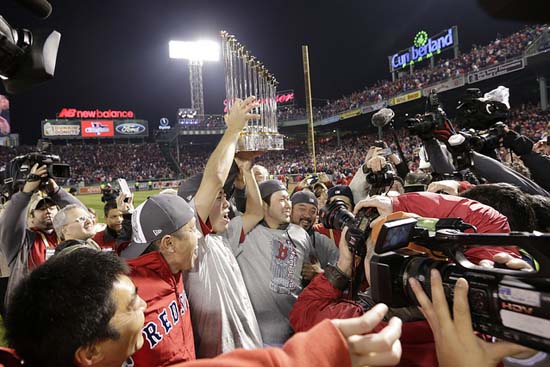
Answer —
(114, 54)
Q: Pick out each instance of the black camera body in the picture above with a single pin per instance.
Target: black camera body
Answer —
(19, 168)
(509, 304)
(380, 179)
(474, 113)
(433, 119)
(335, 215)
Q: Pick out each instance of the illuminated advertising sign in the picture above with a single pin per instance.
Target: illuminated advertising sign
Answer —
(164, 124)
(79, 129)
(65, 129)
(282, 98)
(405, 98)
(71, 113)
(130, 128)
(424, 47)
(97, 128)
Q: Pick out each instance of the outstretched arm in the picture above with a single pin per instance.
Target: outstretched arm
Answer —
(220, 161)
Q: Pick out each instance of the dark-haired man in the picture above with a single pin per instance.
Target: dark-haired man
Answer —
(271, 259)
(101, 321)
(106, 239)
(304, 214)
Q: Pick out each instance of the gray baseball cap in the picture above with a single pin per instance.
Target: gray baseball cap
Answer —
(304, 197)
(158, 216)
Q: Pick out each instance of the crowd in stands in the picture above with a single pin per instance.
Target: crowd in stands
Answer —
(98, 163)
(105, 162)
(498, 51)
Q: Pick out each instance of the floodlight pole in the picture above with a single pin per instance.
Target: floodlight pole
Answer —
(195, 81)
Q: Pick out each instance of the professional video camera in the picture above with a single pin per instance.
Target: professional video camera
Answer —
(335, 215)
(27, 59)
(509, 304)
(475, 112)
(433, 119)
(18, 169)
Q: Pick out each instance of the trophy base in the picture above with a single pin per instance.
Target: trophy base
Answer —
(261, 142)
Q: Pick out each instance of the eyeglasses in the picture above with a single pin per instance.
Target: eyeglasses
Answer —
(83, 219)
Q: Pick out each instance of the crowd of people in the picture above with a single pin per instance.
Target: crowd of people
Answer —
(96, 163)
(233, 263)
(92, 164)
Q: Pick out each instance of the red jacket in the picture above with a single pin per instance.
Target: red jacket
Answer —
(167, 330)
(323, 346)
(483, 217)
(105, 239)
(320, 300)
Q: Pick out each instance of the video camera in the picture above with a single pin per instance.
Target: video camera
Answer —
(473, 112)
(433, 119)
(336, 215)
(512, 305)
(18, 169)
(27, 59)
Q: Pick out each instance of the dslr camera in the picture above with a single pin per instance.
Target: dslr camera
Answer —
(336, 215)
(512, 305)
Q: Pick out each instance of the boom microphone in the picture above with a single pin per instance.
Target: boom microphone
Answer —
(40, 8)
(381, 119)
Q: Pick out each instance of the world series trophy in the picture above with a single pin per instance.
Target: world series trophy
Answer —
(246, 76)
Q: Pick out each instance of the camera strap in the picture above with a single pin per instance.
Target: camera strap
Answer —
(32, 177)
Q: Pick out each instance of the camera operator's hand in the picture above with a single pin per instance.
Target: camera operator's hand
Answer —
(51, 187)
(125, 203)
(376, 163)
(374, 151)
(240, 114)
(380, 349)
(507, 260)
(447, 186)
(345, 260)
(455, 341)
(541, 147)
(311, 270)
(35, 178)
(382, 203)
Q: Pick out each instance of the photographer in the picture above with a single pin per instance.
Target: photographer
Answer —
(324, 298)
(538, 164)
(377, 175)
(25, 248)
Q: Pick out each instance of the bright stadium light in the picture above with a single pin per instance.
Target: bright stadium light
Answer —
(195, 51)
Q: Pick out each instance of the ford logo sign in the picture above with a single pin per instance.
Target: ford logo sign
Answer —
(130, 129)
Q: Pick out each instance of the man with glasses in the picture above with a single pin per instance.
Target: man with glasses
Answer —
(75, 223)
(27, 236)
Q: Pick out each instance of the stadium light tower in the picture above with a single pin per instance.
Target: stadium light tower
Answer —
(196, 52)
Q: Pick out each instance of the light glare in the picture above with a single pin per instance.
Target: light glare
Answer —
(195, 51)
